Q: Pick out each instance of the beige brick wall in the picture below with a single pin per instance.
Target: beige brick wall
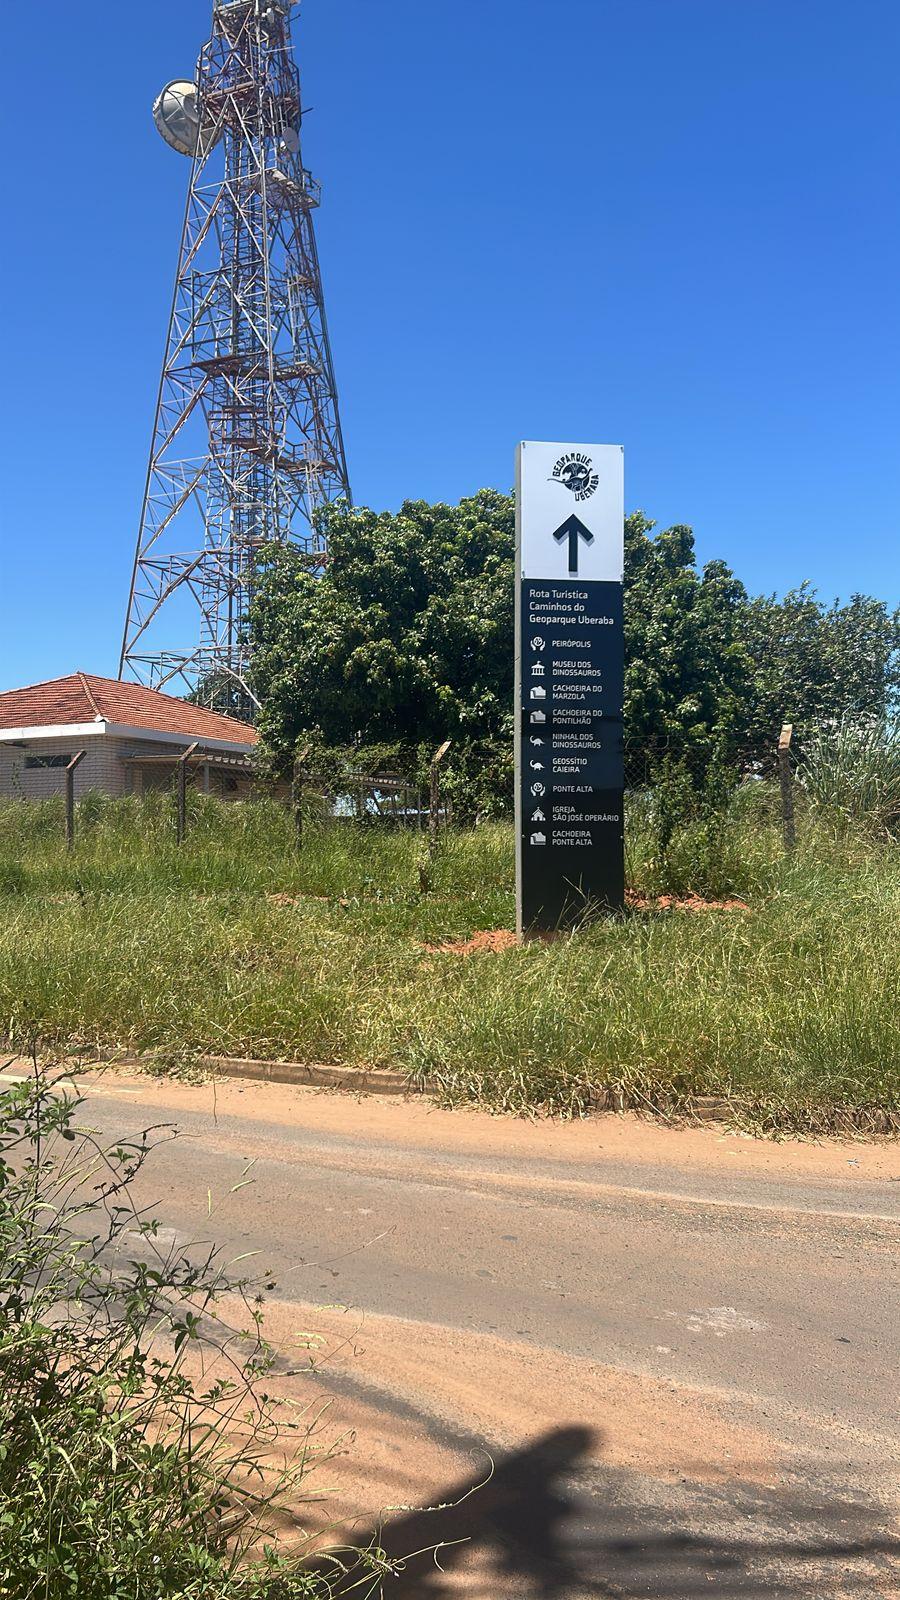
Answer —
(103, 767)
(10, 772)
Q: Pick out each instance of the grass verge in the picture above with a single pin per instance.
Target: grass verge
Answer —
(239, 945)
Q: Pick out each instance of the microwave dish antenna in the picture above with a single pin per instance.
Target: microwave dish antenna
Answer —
(177, 117)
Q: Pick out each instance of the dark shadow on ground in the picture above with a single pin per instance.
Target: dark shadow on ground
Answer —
(549, 1524)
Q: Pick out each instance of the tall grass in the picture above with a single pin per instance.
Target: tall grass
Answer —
(853, 769)
(241, 945)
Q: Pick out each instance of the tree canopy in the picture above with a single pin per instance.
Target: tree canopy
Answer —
(407, 639)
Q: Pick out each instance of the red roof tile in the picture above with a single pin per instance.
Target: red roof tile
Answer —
(81, 697)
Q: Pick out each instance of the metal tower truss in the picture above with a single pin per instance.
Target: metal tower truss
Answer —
(247, 442)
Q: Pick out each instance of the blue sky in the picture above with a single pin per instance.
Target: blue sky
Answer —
(667, 223)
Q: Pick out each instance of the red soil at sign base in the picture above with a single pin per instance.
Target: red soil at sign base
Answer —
(493, 941)
(690, 902)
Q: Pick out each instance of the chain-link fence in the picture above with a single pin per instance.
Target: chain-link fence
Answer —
(647, 760)
(362, 797)
(387, 797)
(440, 792)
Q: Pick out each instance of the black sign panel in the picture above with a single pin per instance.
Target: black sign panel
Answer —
(571, 765)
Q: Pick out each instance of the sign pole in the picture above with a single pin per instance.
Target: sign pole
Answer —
(570, 684)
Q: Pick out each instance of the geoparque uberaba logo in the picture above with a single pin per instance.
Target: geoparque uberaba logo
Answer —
(576, 473)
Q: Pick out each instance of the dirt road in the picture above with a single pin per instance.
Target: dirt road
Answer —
(669, 1356)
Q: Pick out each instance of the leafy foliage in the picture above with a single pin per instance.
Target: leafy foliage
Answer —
(407, 639)
(688, 671)
(814, 662)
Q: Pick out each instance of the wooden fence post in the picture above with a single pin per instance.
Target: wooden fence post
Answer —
(70, 798)
(427, 855)
(182, 789)
(786, 779)
(297, 794)
(434, 800)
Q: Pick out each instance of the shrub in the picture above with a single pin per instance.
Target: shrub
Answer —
(688, 834)
(118, 1477)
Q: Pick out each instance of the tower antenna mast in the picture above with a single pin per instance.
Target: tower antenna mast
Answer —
(247, 444)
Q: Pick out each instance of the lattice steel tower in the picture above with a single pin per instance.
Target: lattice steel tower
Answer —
(247, 438)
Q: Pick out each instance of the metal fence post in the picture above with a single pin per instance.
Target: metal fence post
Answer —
(182, 789)
(786, 779)
(70, 798)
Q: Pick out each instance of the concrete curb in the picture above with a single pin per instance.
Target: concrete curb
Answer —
(304, 1075)
(358, 1080)
(389, 1082)
(355, 1079)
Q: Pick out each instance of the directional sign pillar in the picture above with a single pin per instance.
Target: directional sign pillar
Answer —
(570, 679)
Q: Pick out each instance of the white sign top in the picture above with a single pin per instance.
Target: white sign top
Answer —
(571, 502)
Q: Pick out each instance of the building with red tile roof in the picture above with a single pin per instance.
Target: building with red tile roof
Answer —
(132, 738)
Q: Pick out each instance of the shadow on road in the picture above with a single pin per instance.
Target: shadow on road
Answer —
(550, 1525)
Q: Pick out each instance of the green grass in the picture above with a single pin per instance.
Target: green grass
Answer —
(853, 767)
(240, 945)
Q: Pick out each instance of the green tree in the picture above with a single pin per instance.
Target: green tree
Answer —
(407, 639)
(688, 670)
(816, 663)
